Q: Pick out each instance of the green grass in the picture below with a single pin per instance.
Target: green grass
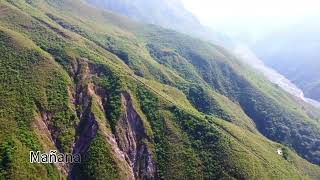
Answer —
(97, 163)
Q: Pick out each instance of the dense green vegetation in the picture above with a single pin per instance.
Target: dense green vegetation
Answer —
(68, 65)
(21, 92)
(97, 163)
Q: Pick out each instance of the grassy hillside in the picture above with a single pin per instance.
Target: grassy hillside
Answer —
(138, 102)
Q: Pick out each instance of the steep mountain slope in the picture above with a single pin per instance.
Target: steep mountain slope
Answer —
(299, 63)
(138, 102)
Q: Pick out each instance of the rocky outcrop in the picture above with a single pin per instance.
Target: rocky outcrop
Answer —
(130, 133)
(127, 142)
(41, 128)
(88, 126)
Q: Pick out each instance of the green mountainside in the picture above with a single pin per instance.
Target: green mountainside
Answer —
(139, 102)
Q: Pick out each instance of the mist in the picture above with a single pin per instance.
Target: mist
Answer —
(249, 21)
(280, 39)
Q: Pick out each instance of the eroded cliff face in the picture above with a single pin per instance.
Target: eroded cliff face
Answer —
(87, 128)
(40, 126)
(131, 136)
(127, 142)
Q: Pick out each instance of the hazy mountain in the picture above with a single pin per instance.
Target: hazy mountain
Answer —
(294, 52)
(138, 101)
(166, 13)
(248, 57)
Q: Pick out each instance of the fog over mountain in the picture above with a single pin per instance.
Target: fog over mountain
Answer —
(285, 38)
(289, 46)
(294, 52)
(260, 36)
(166, 13)
(272, 75)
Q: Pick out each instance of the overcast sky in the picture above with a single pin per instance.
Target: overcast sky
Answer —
(213, 10)
(253, 17)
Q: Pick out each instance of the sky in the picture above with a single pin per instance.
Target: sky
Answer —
(209, 10)
(252, 18)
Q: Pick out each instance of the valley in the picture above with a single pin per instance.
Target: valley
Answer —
(273, 76)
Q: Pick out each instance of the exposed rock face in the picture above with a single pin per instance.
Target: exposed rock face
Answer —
(87, 129)
(88, 126)
(127, 142)
(40, 126)
(130, 133)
